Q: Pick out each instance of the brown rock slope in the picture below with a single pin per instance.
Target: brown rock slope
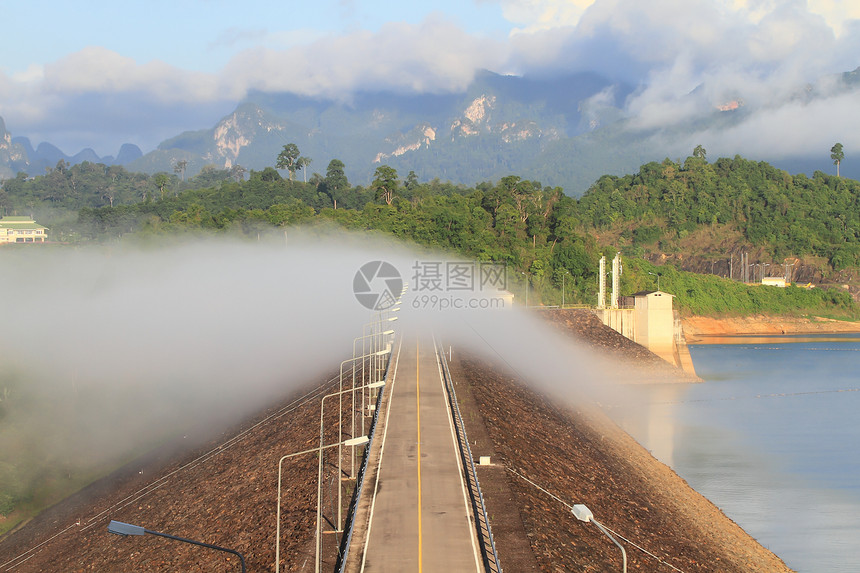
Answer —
(633, 362)
(225, 493)
(581, 457)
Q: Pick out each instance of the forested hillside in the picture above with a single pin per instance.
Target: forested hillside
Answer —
(788, 215)
(548, 239)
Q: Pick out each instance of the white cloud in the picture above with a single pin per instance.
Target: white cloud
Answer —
(100, 99)
(703, 55)
(99, 70)
(686, 56)
(666, 101)
(836, 12)
(33, 73)
(795, 129)
(435, 56)
(691, 56)
(92, 87)
(534, 15)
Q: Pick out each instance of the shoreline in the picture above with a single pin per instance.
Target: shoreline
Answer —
(699, 329)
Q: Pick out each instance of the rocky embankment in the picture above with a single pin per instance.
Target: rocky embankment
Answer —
(549, 455)
(547, 458)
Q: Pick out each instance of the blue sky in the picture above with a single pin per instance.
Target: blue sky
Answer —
(203, 35)
(101, 72)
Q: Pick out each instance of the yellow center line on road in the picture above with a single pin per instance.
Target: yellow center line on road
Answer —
(418, 420)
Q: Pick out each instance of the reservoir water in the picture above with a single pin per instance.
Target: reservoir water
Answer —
(772, 437)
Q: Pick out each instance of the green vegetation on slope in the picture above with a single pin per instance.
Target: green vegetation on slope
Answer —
(548, 239)
(785, 214)
(707, 295)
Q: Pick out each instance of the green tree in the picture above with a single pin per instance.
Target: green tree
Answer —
(237, 172)
(335, 183)
(179, 168)
(385, 183)
(288, 159)
(411, 180)
(699, 152)
(270, 174)
(837, 155)
(160, 180)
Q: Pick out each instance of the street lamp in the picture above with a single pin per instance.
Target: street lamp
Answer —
(125, 529)
(372, 336)
(582, 513)
(378, 384)
(374, 354)
(361, 440)
(658, 278)
(527, 287)
(341, 391)
(375, 324)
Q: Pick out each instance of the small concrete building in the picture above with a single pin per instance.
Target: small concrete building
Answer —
(655, 322)
(21, 230)
(649, 319)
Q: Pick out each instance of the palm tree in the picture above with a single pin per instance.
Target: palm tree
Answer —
(837, 155)
(303, 162)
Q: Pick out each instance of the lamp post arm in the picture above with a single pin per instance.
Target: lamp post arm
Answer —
(288, 456)
(201, 544)
(609, 535)
(320, 469)
(278, 514)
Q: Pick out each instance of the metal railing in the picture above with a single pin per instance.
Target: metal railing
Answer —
(343, 551)
(482, 523)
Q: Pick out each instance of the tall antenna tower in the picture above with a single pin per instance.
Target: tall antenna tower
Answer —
(616, 280)
(601, 281)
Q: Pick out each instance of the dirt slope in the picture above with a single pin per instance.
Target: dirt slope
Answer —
(698, 326)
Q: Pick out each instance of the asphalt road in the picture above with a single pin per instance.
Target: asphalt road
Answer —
(418, 513)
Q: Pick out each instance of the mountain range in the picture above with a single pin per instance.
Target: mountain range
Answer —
(17, 155)
(562, 131)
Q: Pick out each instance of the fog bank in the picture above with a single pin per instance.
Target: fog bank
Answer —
(108, 349)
